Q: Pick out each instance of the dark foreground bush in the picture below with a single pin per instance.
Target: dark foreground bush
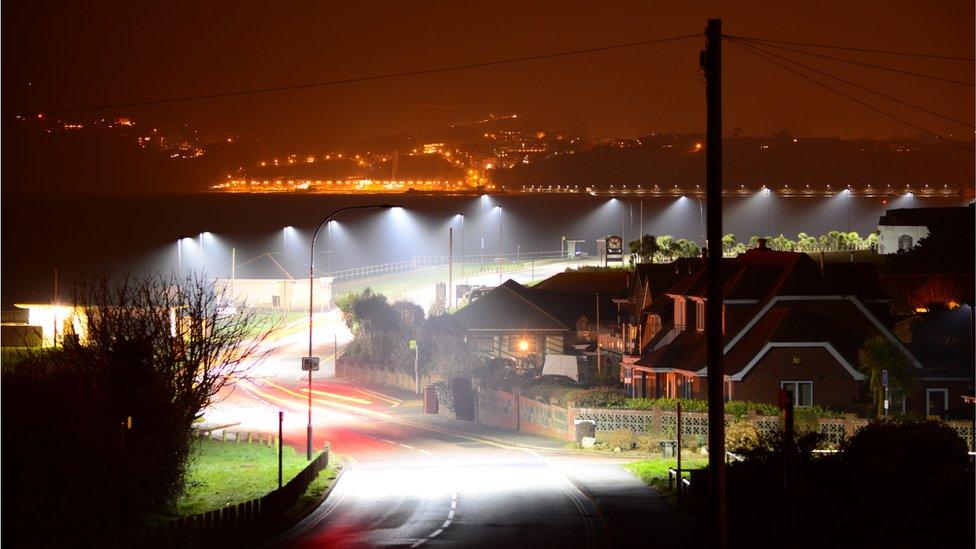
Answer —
(894, 484)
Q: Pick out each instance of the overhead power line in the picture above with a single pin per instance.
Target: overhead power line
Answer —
(749, 48)
(849, 48)
(370, 78)
(864, 88)
(862, 64)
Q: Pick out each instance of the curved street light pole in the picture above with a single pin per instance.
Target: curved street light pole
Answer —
(311, 304)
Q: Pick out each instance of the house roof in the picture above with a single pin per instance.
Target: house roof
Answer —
(507, 308)
(837, 322)
(603, 280)
(933, 218)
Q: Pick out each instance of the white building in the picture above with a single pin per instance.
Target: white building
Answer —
(902, 229)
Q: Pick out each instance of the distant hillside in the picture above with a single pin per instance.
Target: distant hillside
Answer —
(669, 160)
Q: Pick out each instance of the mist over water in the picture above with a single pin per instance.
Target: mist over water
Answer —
(94, 234)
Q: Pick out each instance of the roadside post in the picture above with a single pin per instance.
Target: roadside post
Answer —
(677, 451)
(281, 442)
(884, 383)
(416, 364)
(309, 364)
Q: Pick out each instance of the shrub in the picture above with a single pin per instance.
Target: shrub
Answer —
(620, 438)
(647, 443)
(905, 447)
(741, 436)
(602, 398)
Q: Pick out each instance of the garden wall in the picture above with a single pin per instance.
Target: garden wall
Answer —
(354, 369)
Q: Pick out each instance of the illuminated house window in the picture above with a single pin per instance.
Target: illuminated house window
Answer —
(679, 313)
(700, 316)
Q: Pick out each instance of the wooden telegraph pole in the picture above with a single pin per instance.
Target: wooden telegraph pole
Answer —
(712, 60)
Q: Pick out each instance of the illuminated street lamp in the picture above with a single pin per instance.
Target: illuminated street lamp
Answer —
(311, 304)
(284, 239)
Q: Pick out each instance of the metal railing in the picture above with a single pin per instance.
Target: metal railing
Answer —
(423, 261)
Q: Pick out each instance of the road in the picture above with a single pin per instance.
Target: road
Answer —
(411, 482)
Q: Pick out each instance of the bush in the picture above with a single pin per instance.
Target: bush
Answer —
(620, 438)
(905, 447)
(648, 443)
(602, 398)
(741, 436)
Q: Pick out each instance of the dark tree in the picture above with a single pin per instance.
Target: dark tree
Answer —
(97, 432)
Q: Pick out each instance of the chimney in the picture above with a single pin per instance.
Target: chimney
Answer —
(761, 244)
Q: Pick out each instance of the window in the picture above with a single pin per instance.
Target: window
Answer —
(700, 316)
(936, 401)
(802, 392)
(904, 243)
(685, 387)
(679, 313)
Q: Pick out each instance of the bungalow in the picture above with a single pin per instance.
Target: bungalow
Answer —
(526, 324)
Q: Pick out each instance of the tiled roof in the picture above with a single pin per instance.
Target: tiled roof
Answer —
(505, 308)
(604, 280)
(836, 321)
(933, 218)
(512, 306)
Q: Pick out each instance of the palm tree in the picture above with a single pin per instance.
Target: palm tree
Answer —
(879, 353)
(644, 248)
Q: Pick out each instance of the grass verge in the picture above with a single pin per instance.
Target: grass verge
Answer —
(654, 471)
(226, 473)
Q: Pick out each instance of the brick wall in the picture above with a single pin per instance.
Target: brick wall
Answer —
(832, 385)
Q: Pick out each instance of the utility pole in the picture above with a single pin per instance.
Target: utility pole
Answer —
(640, 232)
(54, 340)
(598, 369)
(712, 60)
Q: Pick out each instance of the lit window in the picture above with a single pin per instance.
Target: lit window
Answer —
(700, 316)
(802, 392)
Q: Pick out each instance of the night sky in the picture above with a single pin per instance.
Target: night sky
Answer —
(70, 54)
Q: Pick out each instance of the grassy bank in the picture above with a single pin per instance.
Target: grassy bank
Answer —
(655, 470)
(227, 473)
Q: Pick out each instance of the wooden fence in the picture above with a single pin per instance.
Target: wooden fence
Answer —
(239, 524)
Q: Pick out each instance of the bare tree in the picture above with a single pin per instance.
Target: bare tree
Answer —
(119, 400)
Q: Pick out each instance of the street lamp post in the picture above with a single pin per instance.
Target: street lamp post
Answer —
(500, 249)
(461, 215)
(311, 305)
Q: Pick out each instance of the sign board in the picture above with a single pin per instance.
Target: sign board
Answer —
(615, 248)
(884, 378)
(310, 363)
(413, 344)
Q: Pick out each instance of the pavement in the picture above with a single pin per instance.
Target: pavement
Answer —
(414, 479)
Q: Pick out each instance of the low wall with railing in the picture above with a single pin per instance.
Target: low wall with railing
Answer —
(658, 422)
(238, 524)
(518, 412)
